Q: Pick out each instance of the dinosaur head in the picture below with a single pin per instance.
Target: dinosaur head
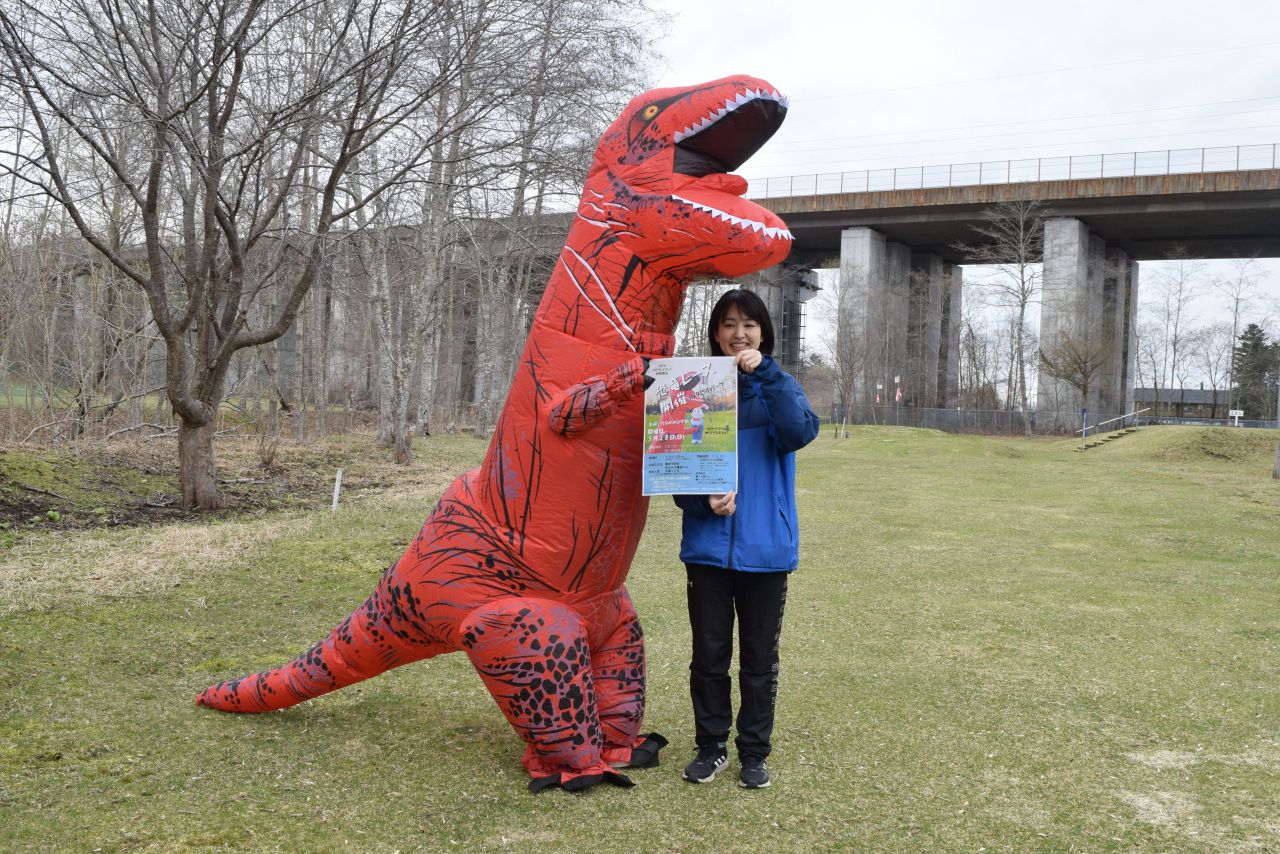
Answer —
(661, 179)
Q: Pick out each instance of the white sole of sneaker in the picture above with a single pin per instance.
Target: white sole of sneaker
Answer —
(763, 785)
(719, 769)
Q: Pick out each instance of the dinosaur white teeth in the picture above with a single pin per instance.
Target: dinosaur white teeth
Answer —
(730, 105)
(758, 227)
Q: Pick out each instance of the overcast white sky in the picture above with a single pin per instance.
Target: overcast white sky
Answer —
(928, 82)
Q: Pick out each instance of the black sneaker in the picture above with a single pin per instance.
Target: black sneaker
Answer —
(711, 760)
(754, 773)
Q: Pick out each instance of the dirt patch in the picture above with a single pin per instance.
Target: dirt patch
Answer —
(121, 550)
(99, 484)
(1165, 809)
(40, 574)
(1168, 760)
(1165, 760)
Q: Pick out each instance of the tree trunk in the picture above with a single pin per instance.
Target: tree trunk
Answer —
(403, 449)
(196, 470)
(1022, 371)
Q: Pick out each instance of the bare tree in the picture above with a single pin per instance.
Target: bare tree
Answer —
(1076, 359)
(1240, 288)
(580, 62)
(1176, 286)
(233, 105)
(691, 331)
(1213, 345)
(1147, 349)
(981, 362)
(843, 343)
(1014, 247)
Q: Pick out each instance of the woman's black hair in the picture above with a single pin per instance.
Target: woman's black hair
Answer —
(749, 306)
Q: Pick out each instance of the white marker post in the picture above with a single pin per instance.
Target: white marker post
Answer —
(337, 487)
(1237, 414)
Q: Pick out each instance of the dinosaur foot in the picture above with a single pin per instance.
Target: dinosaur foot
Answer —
(644, 754)
(574, 781)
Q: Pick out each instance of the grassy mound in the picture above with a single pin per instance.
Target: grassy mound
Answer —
(1199, 444)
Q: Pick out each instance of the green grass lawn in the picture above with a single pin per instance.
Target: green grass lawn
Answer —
(991, 644)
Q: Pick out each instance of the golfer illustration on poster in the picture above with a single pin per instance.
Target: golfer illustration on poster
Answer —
(691, 427)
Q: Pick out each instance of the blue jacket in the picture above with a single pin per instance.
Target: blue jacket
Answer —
(763, 534)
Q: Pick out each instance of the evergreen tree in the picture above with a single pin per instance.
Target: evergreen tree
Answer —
(1255, 364)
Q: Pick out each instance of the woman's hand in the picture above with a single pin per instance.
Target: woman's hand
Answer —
(723, 505)
(747, 360)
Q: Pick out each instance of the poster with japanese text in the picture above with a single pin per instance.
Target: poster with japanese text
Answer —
(691, 427)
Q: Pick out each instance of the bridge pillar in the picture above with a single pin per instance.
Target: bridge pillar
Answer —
(1119, 307)
(1129, 355)
(902, 308)
(891, 321)
(924, 330)
(1088, 301)
(785, 289)
(860, 297)
(949, 347)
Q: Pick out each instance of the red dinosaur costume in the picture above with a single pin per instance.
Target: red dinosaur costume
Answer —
(521, 563)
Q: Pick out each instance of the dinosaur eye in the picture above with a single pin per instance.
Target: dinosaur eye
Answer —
(650, 111)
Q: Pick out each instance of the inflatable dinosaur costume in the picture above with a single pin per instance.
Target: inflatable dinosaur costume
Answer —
(521, 563)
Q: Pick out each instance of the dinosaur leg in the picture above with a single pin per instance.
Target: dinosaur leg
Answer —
(532, 655)
(617, 668)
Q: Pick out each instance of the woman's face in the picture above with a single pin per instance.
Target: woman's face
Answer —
(737, 333)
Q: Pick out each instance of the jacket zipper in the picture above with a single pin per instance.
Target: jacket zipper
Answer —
(733, 529)
(733, 520)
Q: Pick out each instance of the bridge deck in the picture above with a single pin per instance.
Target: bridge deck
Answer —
(1210, 215)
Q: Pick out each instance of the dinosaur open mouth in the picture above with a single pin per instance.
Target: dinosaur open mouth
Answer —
(769, 231)
(726, 137)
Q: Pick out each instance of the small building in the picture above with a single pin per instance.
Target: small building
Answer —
(1182, 402)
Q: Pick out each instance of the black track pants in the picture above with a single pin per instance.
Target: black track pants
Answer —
(758, 599)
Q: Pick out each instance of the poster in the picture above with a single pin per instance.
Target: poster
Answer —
(691, 427)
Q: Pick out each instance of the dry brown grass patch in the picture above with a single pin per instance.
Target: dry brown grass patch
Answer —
(52, 569)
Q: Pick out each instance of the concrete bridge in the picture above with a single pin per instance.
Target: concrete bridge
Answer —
(899, 260)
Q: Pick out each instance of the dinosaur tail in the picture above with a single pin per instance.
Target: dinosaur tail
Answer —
(383, 633)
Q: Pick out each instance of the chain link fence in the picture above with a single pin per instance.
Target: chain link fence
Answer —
(1209, 422)
(993, 422)
(998, 422)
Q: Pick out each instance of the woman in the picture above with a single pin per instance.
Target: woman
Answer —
(738, 549)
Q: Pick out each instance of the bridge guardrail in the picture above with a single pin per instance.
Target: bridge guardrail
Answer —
(1174, 161)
